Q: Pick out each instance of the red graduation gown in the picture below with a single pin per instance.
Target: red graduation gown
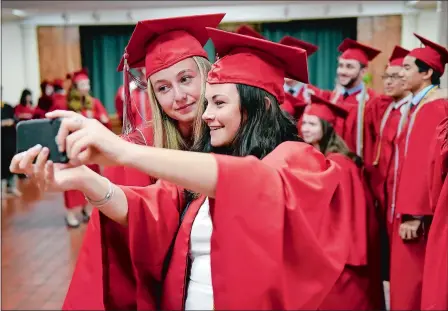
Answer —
(413, 198)
(347, 128)
(59, 101)
(435, 272)
(86, 287)
(23, 112)
(358, 279)
(264, 250)
(381, 166)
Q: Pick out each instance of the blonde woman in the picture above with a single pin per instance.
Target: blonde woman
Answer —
(176, 69)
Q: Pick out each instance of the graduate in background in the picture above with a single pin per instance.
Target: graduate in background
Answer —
(8, 145)
(45, 102)
(80, 101)
(355, 282)
(59, 95)
(25, 109)
(435, 272)
(382, 171)
(422, 69)
(356, 96)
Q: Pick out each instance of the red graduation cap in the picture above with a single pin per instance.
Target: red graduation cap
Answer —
(159, 43)
(325, 109)
(398, 55)
(58, 83)
(298, 104)
(79, 75)
(256, 62)
(352, 49)
(308, 47)
(433, 54)
(248, 31)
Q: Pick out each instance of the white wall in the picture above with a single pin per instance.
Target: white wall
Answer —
(20, 61)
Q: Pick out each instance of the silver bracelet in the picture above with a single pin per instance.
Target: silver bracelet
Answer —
(106, 198)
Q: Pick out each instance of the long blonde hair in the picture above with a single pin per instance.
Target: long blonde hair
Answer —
(166, 132)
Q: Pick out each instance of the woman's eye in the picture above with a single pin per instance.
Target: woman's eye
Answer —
(162, 89)
(218, 103)
(185, 79)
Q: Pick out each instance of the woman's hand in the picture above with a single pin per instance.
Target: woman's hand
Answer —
(87, 141)
(47, 175)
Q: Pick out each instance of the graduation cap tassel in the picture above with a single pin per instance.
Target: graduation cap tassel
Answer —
(128, 117)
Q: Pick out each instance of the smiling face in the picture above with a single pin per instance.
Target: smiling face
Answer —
(349, 72)
(177, 90)
(223, 113)
(413, 80)
(312, 131)
(393, 82)
(83, 86)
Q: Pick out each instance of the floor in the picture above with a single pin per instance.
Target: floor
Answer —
(38, 251)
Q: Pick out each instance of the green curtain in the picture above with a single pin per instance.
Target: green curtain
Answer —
(101, 50)
(327, 34)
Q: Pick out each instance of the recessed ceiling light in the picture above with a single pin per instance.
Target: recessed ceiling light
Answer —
(18, 13)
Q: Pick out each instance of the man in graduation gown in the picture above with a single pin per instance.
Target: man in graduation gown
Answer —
(422, 69)
(435, 272)
(390, 109)
(356, 96)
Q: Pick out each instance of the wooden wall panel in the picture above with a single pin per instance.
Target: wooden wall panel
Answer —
(59, 51)
(383, 33)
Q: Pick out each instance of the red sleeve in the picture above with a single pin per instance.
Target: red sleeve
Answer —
(435, 272)
(153, 220)
(413, 196)
(437, 170)
(356, 209)
(267, 241)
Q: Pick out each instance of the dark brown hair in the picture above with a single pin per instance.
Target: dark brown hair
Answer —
(333, 143)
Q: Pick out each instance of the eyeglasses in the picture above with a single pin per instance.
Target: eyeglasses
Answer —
(393, 77)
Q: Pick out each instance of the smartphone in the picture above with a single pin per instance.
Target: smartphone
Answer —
(43, 132)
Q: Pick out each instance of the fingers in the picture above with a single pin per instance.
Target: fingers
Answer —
(72, 139)
(26, 163)
(402, 231)
(413, 232)
(39, 167)
(61, 114)
(49, 174)
(68, 125)
(14, 166)
(80, 145)
(85, 156)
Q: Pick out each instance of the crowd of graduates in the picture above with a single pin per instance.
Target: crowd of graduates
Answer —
(239, 185)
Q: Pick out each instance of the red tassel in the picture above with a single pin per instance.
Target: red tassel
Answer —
(128, 117)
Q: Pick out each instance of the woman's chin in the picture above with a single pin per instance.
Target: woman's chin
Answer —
(218, 143)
